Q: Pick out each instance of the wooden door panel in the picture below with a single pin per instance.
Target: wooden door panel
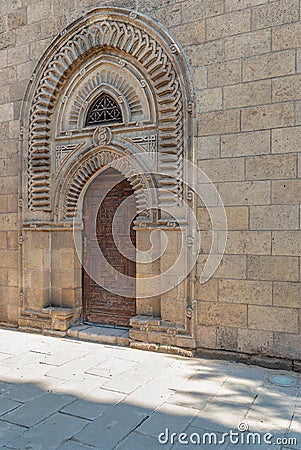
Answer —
(100, 305)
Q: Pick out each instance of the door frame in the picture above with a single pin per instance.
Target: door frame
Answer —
(85, 275)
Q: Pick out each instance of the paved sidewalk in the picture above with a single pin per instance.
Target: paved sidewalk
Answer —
(74, 395)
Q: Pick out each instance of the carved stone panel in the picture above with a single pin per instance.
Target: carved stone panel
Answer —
(150, 88)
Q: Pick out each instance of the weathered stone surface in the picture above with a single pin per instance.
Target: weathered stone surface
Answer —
(237, 218)
(223, 73)
(28, 33)
(199, 75)
(270, 268)
(38, 11)
(287, 345)
(269, 66)
(275, 13)
(168, 17)
(206, 336)
(222, 314)
(25, 70)
(245, 291)
(8, 75)
(17, 18)
(254, 341)
(60, 7)
(207, 292)
(248, 242)
(3, 63)
(269, 167)
(273, 319)
(287, 294)
(286, 243)
(245, 144)
(208, 147)
(241, 193)
(246, 94)
(286, 192)
(287, 36)
(18, 54)
(219, 122)
(190, 35)
(38, 47)
(6, 112)
(233, 5)
(228, 24)
(210, 99)
(223, 169)
(7, 39)
(286, 140)
(268, 116)
(232, 266)
(248, 44)
(202, 10)
(286, 89)
(208, 53)
(226, 338)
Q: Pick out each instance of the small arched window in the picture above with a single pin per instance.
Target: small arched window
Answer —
(103, 110)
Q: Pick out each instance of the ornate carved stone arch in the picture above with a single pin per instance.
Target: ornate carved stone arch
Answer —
(140, 42)
(109, 157)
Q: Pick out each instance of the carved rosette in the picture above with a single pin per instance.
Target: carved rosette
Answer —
(102, 136)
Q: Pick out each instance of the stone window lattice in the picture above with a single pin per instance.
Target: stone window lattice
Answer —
(103, 110)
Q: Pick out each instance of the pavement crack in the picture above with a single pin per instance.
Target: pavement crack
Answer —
(131, 431)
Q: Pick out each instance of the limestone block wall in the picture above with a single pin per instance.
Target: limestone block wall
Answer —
(246, 64)
(245, 60)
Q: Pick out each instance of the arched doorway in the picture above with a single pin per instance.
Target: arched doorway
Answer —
(109, 210)
(113, 89)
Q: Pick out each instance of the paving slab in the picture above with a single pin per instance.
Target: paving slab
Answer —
(74, 445)
(197, 437)
(112, 427)
(23, 392)
(220, 416)
(86, 409)
(77, 395)
(137, 441)
(48, 434)
(9, 431)
(7, 405)
(170, 416)
(38, 409)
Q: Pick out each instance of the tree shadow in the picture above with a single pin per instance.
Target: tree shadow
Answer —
(60, 394)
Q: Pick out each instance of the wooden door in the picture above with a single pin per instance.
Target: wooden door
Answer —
(99, 304)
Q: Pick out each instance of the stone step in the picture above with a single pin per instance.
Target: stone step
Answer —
(102, 334)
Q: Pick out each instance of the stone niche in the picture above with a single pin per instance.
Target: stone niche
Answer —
(128, 58)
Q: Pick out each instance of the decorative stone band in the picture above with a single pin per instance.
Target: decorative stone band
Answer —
(117, 30)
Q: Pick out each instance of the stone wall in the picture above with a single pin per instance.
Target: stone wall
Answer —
(246, 66)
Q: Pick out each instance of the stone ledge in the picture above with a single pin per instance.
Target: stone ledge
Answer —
(143, 321)
(49, 318)
(151, 333)
(64, 313)
(162, 349)
(100, 334)
(256, 360)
